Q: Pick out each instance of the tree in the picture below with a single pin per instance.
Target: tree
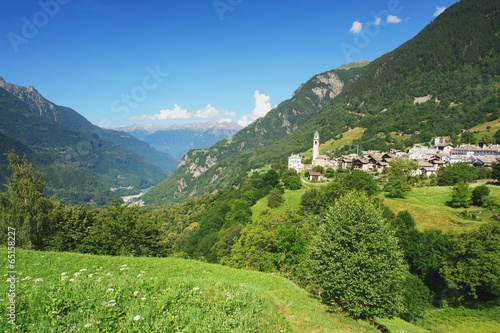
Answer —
(360, 181)
(24, 207)
(468, 137)
(460, 196)
(455, 173)
(291, 179)
(497, 137)
(486, 140)
(417, 298)
(397, 185)
(479, 195)
(473, 264)
(357, 262)
(275, 198)
(495, 171)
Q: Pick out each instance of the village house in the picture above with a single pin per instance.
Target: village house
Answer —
(429, 159)
(295, 162)
(316, 176)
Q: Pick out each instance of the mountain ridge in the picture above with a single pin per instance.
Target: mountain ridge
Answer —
(435, 62)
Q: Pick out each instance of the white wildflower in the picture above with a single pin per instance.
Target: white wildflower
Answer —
(71, 280)
(38, 280)
(83, 270)
(88, 325)
(64, 273)
(136, 293)
(196, 288)
(136, 318)
(110, 290)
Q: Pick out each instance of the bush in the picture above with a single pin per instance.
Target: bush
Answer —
(479, 195)
(417, 298)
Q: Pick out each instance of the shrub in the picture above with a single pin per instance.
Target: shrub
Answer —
(479, 195)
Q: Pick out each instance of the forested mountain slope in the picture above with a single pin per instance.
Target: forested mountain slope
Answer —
(223, 165)
(82, 162)
(452, 65)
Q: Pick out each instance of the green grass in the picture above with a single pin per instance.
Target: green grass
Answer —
(482, 129)
(452, 320)
(63, 292)
(396, 325)
(428, 207)
(291, 200)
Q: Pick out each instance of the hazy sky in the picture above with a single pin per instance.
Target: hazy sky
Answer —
(164, 62)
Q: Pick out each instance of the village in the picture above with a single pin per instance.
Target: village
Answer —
(429, 159)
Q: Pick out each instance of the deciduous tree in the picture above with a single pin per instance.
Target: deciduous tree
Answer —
(357, 262)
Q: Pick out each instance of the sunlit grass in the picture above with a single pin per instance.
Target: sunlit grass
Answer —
(428, 207)
(63, 292)
(461, 320)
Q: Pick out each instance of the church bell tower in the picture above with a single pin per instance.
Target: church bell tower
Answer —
(315, 146)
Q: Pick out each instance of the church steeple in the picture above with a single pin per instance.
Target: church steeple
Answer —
(315, 146)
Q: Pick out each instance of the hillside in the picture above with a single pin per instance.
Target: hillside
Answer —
(456, 72)
(124, 294)
(82, 162)
(225, 163)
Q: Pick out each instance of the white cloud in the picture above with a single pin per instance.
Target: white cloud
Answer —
(207, 112)
(439, 11)
(225, 120)
(262, 107)
(244, 121)
(230, 113)
(393, 19)
(378, 20)
(176, 113)
(356, 27)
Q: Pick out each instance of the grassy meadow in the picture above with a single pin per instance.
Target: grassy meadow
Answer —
(428, 207)
(66, 292)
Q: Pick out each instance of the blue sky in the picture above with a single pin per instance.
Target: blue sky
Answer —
(164, 62)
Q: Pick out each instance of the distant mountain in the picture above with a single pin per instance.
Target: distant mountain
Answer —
(178, 139)
(454, 62)
(204, 171)
(82, 161)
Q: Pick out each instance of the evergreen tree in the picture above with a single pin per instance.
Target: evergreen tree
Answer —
(357, 262)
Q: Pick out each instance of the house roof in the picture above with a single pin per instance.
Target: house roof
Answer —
(314, 173)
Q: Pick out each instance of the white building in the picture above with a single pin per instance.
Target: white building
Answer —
(315, 146)
(295, 162)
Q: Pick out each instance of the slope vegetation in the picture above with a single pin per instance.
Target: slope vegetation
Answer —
(159, 295)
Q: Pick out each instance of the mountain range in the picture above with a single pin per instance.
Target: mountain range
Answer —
(178, 139)
(82, 162)
(456, 69)
(455, 61)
